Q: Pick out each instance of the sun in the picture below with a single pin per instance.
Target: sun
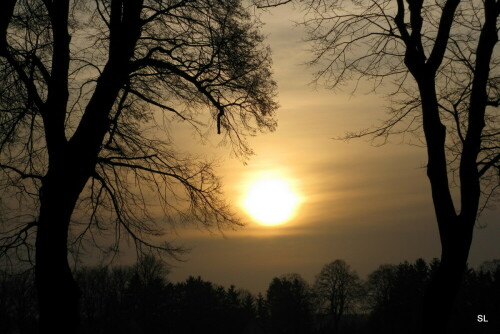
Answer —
(271, 201)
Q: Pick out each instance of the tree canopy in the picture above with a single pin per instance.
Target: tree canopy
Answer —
(104, 82)
(338, 290)
(88, 91)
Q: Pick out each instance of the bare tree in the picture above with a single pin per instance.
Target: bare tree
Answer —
(150, 269)
(379, 284)
(438, 57)
(88, 91)
(338, 290)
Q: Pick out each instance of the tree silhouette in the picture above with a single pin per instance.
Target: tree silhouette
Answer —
(117, 300)
(480, 294)
(338, 290)
(289, 302)
(439, 58)
(395, 296)
(85, 91)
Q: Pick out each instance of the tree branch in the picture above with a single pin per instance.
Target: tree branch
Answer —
(155, 63)
(469, 177)
(441, 43)
(16, 238)
(22, 174)
(270, 4)
(489, 164)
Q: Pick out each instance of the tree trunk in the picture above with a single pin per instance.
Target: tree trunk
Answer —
(71, 163)
(58, 293)
(455, 235)
(445, 284)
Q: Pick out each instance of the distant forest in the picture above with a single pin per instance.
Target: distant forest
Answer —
(140, 299)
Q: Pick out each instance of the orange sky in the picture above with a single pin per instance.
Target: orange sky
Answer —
(367, 205)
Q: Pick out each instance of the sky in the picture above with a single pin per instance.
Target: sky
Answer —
(364, 204)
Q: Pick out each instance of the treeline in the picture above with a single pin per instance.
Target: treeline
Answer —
(140, 299)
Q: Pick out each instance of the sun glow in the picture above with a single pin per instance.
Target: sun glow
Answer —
(271, 201)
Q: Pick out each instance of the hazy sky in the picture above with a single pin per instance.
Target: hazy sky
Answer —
(367, 205)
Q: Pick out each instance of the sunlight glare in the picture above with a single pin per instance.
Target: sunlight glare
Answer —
(271, 201)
